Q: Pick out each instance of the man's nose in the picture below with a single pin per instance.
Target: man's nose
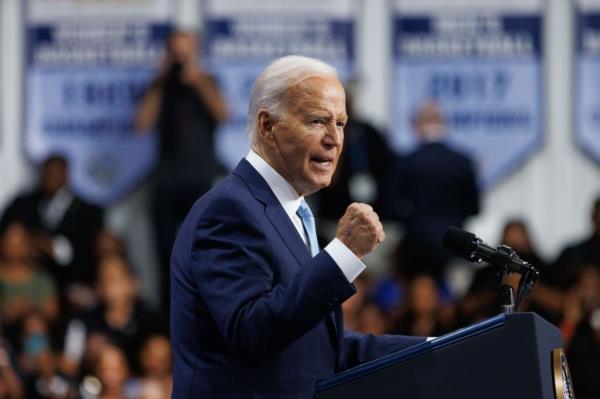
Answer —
(334, 136)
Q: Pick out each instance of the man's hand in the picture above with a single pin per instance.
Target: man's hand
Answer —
(360, 229)
(191, 74)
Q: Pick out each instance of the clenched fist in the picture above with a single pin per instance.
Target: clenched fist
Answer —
(360, 229)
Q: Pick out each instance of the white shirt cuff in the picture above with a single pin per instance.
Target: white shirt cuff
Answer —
(349, 263)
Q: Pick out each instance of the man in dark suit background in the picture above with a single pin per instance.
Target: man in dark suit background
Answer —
(255, 305)
(183, 102)
(64, 230)
(436, 187)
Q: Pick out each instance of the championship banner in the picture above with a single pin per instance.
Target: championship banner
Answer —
(86, 64)
(587, 77)
(242, 37)
(481, 61)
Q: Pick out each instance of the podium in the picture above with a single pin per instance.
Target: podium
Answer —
(508, 356)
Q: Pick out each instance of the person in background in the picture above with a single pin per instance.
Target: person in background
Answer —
(422, 313)
(587, 251)
(79, 361)
(120, 317)
(373, 319)
(155, 360)
(63, 228)
(38, 362)
(516, 235)
(435, 187)
(352, 306)
(11, 386)
(23, 286)
(112, 373)
(362, 311)
(108, 243)
(184, 104)
(545, 299)
(580, 328)
(390, 289)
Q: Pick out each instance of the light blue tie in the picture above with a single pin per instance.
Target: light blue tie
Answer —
(308, 221)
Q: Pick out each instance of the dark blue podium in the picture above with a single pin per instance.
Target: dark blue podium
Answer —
(507, 356)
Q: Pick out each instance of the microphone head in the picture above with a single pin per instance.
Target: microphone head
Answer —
(459, 242)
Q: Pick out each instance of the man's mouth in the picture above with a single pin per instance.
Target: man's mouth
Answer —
(323, 162)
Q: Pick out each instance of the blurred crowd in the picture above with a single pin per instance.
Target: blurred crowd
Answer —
(73, 324)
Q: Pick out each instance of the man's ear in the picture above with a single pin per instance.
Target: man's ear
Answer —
(266, 125)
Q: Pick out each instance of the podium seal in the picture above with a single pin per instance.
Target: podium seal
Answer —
(563, 385)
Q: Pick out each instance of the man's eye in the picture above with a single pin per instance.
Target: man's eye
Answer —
(317, 121)
(341, 124)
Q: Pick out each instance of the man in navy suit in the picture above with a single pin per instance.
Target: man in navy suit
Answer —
(255, 305)
(436, 187)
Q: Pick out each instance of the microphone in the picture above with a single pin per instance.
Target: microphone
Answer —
(467, 245)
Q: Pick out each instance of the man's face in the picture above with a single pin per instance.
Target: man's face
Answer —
(53, 176)
(307, 140)
(182, 48)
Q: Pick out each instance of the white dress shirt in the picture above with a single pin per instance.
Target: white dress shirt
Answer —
(349, 263)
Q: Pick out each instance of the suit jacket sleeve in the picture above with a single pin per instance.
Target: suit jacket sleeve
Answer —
(233, 265)
(359, 348)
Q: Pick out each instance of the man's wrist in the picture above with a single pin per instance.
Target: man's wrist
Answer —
(346, 260)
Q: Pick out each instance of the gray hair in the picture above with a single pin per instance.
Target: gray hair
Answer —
(269, 89)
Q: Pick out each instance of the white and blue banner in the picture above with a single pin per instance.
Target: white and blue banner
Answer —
(482, 62)
(587, 77)
(242, 37)
(86, 65)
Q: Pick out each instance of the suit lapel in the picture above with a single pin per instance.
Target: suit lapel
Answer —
(273, 211)
(282, 223)
(285, 228)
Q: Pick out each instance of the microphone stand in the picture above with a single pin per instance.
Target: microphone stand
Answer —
(529, 276)
(508, 301)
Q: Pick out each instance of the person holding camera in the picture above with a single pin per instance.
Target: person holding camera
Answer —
(184, 105)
